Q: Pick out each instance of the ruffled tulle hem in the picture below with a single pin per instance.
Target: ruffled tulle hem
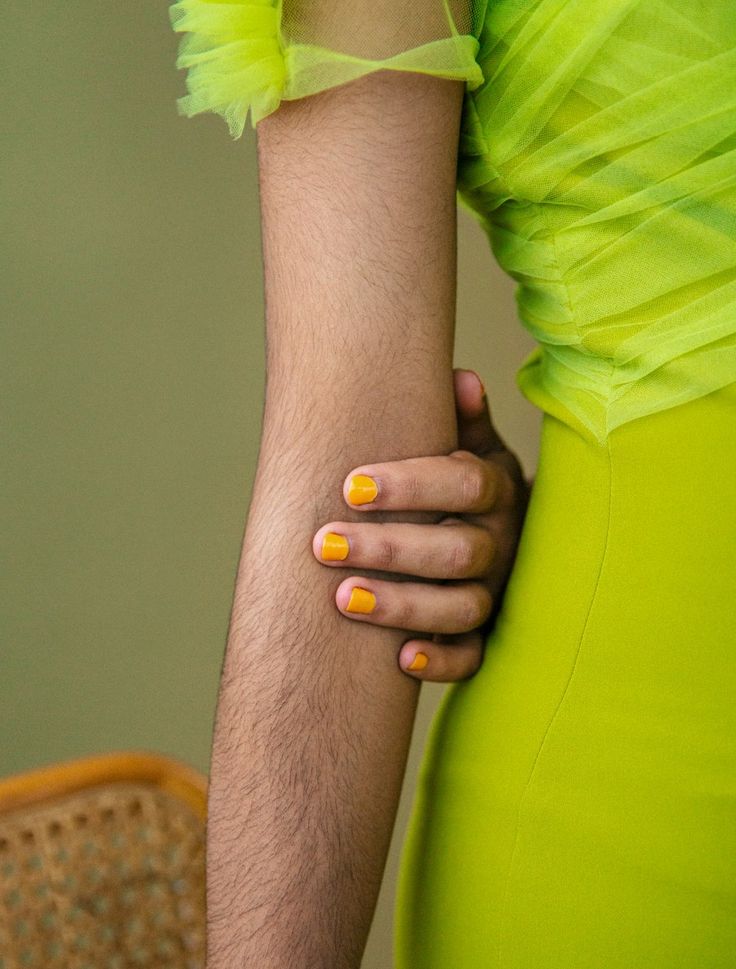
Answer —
(238, 60)
(234, 60)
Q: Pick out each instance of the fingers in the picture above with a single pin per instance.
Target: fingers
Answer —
(456, 482)
(458, 550)
(441, 662)
(415, 605)
(476, 431)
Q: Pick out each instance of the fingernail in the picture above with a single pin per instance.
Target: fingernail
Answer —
(362, 489)
(361, 600)
(334, 547)
(419, 662)
(482, 388)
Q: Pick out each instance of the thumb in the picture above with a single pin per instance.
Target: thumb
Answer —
(475, 429)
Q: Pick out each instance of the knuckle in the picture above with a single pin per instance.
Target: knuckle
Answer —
(475, 662)
(472, 485)
(460, 559)
(476, 609)
(405, 614)
(412, 488)
(477, 482)
(463, 454)
(385, 554)
(486, 603)
(469, 617)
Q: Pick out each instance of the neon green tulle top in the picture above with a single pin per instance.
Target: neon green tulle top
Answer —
(597, 150)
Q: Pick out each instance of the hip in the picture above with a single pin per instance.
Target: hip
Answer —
(582, 785)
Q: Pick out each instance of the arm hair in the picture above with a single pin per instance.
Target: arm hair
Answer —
(314, 716)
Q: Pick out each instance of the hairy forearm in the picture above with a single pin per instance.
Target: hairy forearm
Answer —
(314, 723)
(313, 728)
(314, 715)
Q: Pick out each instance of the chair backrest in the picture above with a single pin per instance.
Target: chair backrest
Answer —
(102, 865)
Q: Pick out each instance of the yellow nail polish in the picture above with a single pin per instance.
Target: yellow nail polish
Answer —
(334, 547)
(362, 489)
(361, 600)
(419, 662)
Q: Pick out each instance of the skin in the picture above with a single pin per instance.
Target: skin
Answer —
(314, 715)
(483, 485)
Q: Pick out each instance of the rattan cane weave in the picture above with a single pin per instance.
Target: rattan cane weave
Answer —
(102, 865)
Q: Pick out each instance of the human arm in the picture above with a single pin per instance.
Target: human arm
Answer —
(314, 717)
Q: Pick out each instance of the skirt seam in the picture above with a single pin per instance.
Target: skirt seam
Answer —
(553, 718)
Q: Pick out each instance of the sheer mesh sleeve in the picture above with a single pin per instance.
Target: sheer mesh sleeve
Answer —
(252, 54)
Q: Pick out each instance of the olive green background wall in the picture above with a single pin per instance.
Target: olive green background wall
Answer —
(132, 377)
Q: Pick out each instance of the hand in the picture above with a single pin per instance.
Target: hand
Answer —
(483, 485)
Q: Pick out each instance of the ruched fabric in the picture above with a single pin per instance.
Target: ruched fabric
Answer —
(600, 156)
(597, 149)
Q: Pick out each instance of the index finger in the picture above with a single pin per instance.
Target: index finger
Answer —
(459, 482)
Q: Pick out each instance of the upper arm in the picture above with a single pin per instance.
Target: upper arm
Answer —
(358, 210)
(357, 106)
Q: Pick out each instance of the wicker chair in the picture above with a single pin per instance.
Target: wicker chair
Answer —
(102, 865)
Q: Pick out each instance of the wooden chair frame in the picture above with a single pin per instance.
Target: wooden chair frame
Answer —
(43, 784)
